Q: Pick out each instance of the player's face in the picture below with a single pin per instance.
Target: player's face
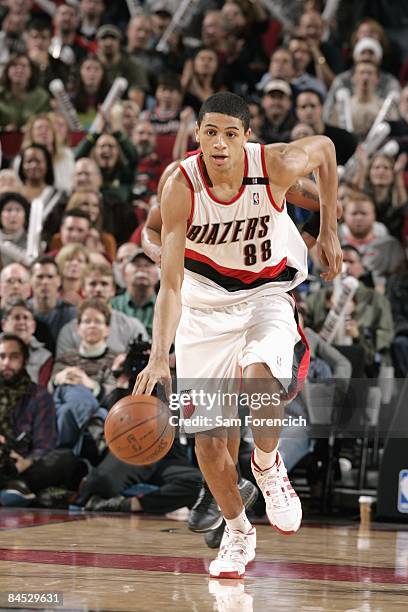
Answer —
(222, 139)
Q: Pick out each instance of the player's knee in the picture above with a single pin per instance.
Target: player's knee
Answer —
(209, 448)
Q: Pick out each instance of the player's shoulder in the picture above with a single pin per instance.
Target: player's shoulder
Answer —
(279, 157)
(177, 195)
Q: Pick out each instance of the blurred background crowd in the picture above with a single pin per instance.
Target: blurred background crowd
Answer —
(80, 172)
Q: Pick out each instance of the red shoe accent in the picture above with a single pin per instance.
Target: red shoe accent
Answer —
(287, 533)
(228, 575)
(256, 466)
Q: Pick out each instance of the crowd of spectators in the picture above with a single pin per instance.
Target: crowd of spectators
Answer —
(73, 296)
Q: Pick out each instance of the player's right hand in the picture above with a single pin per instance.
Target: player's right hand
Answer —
(154, 372)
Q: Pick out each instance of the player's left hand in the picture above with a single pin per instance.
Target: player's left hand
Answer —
(329, 253)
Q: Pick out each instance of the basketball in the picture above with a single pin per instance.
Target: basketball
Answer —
(138, 430)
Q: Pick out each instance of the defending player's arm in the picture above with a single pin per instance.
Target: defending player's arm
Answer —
(151, 233)
(175, 210)
(286, 163)
(151, 239)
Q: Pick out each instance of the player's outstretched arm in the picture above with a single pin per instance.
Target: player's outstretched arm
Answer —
(286, 163)
(175, 210)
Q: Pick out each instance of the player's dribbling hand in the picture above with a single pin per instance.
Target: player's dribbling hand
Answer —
(330, 255)
(154, 372)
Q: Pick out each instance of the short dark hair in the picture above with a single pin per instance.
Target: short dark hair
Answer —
(40, 25)
(350, 247)
(44, 260)
(13, 338)
(75, 212)
(226, 103)
(169, 80)
(12, 196)
(310, 90)
(98, 305)
(15, 302)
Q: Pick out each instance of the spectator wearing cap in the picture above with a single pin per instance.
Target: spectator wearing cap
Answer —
(365, 103)
(18, 319)
(309, 109)
(161, 16)
(14, 213)
(278, 108)
(141, 277)
(119, 64)
(371, 28)
(365, 49)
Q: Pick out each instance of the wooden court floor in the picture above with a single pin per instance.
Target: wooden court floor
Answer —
(121, 562)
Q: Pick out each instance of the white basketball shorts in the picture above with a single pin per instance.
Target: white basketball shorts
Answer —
(214, 346)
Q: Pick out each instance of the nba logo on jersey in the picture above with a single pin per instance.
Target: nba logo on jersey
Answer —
(255, 198)
(403, 491)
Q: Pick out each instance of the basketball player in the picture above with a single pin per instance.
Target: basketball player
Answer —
(227, 235)
(205, 516)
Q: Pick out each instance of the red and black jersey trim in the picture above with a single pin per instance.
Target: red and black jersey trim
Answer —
(236, 280)
(301, 362)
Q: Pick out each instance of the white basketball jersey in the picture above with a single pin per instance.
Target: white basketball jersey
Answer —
(238, 249)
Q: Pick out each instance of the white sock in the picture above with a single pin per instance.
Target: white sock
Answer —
(264, 460)
(239, 523)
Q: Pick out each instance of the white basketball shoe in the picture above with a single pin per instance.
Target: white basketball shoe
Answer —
(283, 507)
(237, 549)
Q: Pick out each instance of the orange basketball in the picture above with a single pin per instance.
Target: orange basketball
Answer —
(138, 430)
